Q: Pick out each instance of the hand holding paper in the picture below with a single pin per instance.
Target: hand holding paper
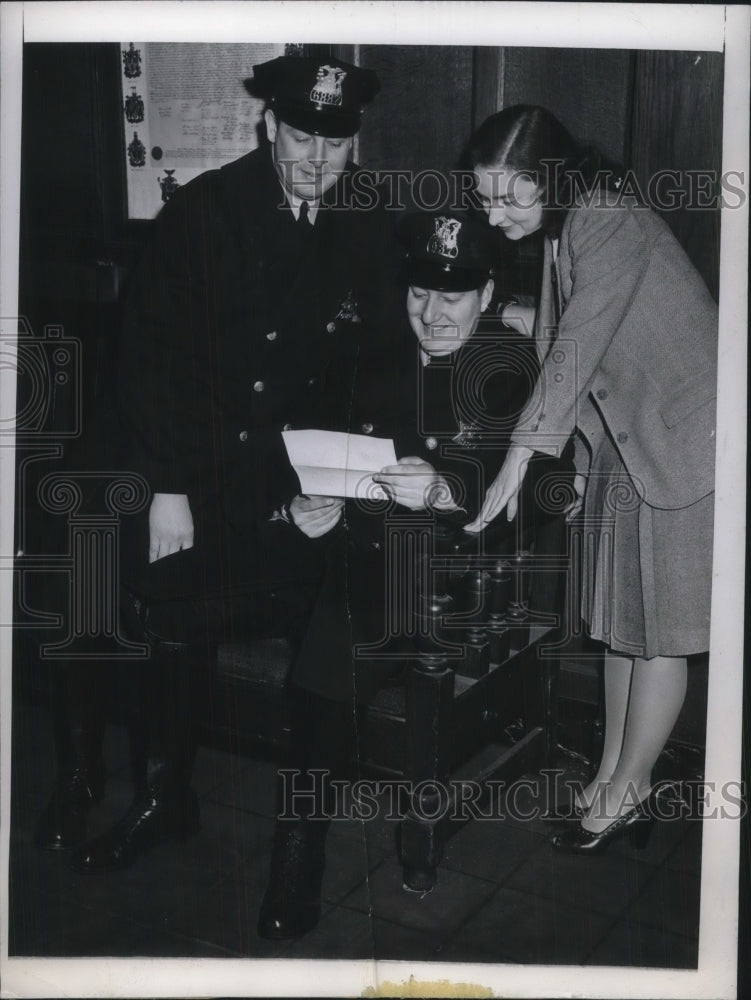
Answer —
(315, 516)
(414, 483)
(334, 464)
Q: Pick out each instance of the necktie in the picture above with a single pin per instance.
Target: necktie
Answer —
(303, 222)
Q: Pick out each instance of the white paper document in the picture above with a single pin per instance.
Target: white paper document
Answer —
(333, 464)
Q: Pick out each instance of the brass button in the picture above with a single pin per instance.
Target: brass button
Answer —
(258, 386)
(243, 435)
(271, 335)
(602, 393)
(559, 357)
(311, 381)
(331, 326)
(431, 444)
(623, 437)
(367, 428)
(558, 377)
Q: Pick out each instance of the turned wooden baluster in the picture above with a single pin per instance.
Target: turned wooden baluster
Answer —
(517, 613)
(476, 662)
(499, 634)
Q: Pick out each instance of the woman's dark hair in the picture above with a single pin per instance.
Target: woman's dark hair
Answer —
(529, 139)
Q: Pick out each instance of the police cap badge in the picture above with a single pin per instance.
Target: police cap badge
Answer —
(320, 95)
(447, 252)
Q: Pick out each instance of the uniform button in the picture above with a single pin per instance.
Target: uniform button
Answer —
(287, 427)
(559, 357)
(431, 444)
(367, 428)
(271, 335)
(258, 386)
(243, 435)
(311, 381)
(602, 393)
(331, 326)
(623, 437)
(558, 377)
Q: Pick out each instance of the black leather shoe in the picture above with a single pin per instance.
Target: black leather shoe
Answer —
(636, 824)
(62, 824)
(150, 821)
(292, 903)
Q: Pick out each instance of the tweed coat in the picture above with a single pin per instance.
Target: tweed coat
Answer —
(239, 325)
(636, 352)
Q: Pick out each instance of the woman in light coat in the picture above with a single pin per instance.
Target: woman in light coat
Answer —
(626, 332)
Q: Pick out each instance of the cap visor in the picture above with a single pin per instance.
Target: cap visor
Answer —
(444, 277)
(331, 124)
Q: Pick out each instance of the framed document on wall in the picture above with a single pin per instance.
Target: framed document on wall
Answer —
(185, 110)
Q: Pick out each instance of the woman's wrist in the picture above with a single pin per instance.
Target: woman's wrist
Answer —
(522, 452)
(503, 307)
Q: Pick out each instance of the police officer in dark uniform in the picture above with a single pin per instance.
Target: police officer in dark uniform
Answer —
(448, 392)
(249, 302)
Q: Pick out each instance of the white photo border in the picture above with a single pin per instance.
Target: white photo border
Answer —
(622, 26)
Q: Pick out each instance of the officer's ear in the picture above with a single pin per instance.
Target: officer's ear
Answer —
(271, 124)
(487, 294)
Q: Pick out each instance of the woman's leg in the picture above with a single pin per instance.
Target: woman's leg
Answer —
(617, 671)
(658, 688)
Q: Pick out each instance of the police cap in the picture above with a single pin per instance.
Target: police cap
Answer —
(319, 95)
(447, 252)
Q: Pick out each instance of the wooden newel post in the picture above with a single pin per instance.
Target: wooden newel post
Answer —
(430, 696)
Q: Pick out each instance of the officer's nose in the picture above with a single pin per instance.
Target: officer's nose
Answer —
(318, 153)
(431, 312)
(496, 214)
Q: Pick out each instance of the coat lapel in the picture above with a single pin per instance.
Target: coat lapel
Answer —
(545, 317)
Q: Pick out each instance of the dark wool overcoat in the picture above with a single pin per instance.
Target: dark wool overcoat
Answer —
(240, 325)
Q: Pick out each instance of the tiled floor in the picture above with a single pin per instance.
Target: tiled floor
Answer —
(502, 893)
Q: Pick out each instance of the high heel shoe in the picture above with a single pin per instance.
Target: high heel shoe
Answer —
(563, 813)
(636, 824)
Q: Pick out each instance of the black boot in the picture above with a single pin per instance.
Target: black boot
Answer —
(323, 741)
(165, 807)
(78, 724)
(292, 903)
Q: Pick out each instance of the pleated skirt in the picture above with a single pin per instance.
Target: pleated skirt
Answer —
(647, 571)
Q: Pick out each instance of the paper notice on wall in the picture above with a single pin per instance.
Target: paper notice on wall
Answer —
(185, 110)
(334, 464)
